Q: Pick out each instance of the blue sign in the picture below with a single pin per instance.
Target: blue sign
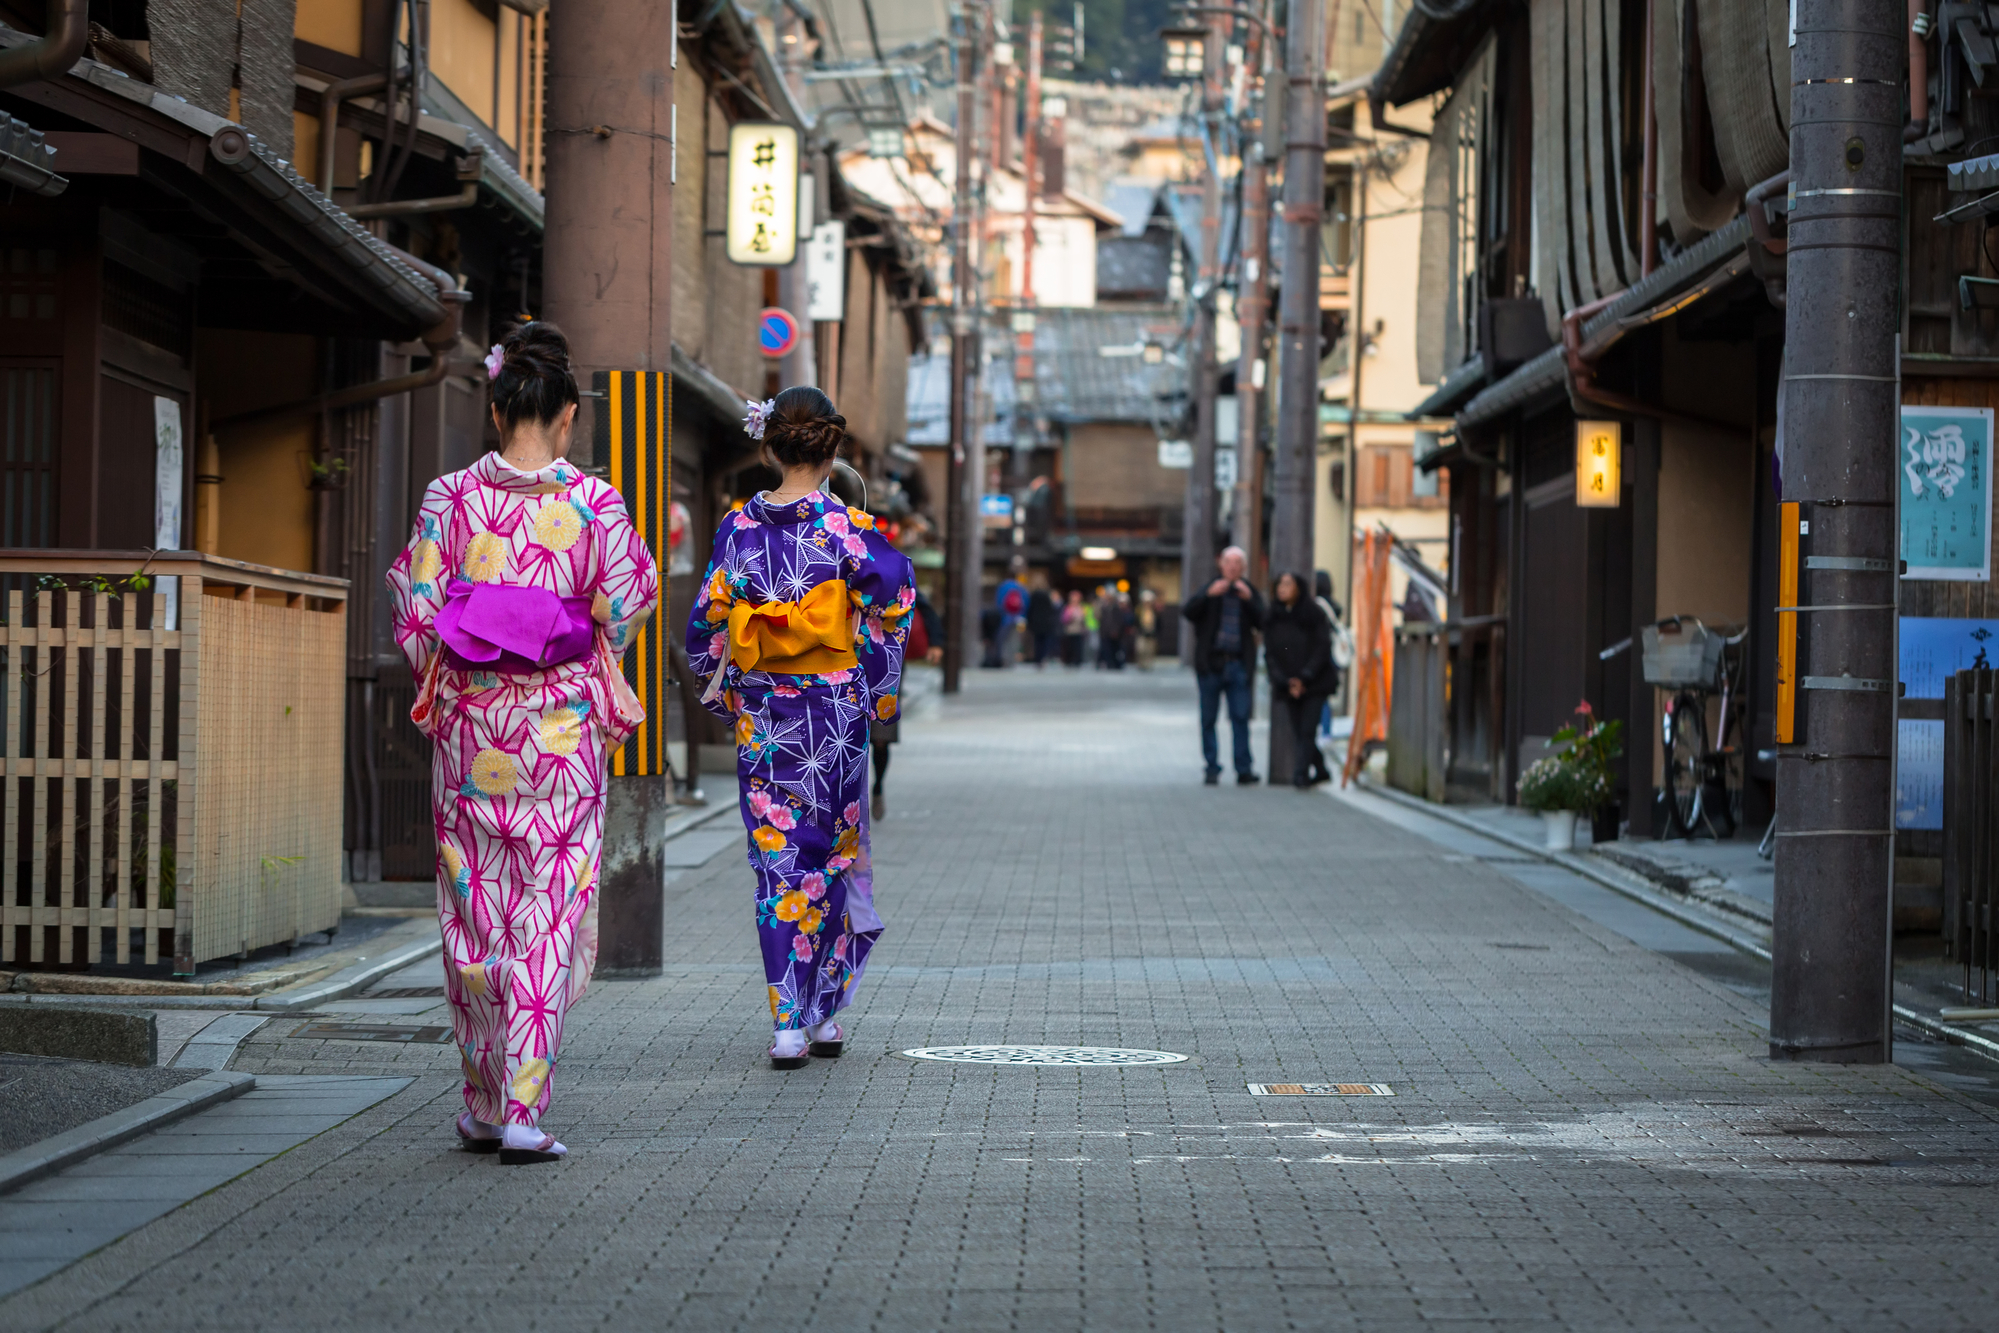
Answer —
(777, 332)
(996, 506)
(1936, 647)
(1918, 773)
(1946, 470)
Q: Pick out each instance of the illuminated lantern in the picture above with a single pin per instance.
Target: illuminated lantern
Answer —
(763, 194)
(1599, 464)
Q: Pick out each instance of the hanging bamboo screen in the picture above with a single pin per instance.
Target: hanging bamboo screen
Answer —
(173, 757)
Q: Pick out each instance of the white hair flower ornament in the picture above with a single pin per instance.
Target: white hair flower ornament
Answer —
(757, 417)
(494, 360)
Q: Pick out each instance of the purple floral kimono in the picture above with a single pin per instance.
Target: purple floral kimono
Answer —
(519, 759)
(802, 739)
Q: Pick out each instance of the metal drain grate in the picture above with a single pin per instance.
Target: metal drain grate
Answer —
(1320, 1090)
(398, 1032)
(1074, 1057)
(407, 993)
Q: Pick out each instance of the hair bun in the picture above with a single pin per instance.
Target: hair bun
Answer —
(534, 379)
(804, 428)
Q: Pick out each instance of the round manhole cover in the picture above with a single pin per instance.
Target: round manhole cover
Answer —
(1072, 1056)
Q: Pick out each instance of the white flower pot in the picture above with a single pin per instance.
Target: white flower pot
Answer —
(1558, 829)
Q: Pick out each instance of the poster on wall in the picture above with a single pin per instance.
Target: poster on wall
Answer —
(167, 485)
(1933, 649)
(1946, 469)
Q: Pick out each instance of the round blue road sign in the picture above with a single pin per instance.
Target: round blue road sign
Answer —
(777, 332)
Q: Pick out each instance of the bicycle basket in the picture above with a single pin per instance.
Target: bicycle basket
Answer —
(1683, 655)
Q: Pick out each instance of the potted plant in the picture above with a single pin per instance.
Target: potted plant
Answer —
(1574, 781)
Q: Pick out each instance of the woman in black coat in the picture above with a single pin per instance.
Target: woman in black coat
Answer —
(1298, 648)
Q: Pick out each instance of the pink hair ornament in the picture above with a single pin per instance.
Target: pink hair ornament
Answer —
(494, 360)
(757, 417)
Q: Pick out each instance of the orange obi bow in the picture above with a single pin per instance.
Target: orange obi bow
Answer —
(812, 635)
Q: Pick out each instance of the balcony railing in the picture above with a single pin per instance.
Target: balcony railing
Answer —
(171, 728)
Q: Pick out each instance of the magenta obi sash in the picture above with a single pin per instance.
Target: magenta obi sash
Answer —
(510, 628)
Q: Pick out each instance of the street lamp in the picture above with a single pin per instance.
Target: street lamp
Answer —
(1185, 51)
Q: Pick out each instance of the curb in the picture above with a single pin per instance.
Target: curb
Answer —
(1687, 917)
(53, 1154)
(345, 982)
(1956, 1036)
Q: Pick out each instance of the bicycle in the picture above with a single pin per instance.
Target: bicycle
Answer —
(1703, 782)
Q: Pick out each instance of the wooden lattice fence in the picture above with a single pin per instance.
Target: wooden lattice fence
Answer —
(172, 750)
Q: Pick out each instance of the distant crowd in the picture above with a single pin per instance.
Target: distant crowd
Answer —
(1109, 627)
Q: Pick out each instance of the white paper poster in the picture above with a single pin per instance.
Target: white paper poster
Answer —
(826, 272)
(167, 485)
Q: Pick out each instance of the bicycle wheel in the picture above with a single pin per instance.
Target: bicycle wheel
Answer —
(1686, 763)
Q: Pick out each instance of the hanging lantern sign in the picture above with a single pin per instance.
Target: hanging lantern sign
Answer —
(763, 194)
(1599, 464)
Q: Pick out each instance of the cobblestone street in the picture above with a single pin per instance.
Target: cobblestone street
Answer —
(1583, 1129)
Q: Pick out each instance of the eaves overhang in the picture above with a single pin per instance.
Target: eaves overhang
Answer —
(1544, 375)
(1430, 50)
(287, 222)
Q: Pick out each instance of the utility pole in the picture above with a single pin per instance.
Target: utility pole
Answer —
(1252, 308)
(1830, 939)
(1026, 407)
(1298, 314)
(1197, 540)
(608, 273)
(961, 622)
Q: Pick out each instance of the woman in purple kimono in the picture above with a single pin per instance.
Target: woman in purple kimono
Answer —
(522, 583)
(798, 633)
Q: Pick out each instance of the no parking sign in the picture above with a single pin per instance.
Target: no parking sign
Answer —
(777, 332)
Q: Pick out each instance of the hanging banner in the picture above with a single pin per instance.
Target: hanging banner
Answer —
(763, 194)
(1946, 471)
(826, 272)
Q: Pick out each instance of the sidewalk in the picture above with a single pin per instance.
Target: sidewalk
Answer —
(1583, 1131)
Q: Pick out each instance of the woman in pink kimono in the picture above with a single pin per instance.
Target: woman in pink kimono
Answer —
(519, 591)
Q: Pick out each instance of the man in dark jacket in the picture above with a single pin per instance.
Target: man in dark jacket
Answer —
(1044, 625)
(1226, 616)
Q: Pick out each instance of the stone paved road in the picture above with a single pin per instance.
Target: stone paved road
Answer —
(1584, 1132)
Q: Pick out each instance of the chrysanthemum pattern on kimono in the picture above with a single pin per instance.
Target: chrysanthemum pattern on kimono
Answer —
(518, 768)
(802, 740)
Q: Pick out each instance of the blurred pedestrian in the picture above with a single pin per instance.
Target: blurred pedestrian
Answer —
(1298, 650)
(1044, 624)
(1073, 629)
(1127, 641)
(1146, 627)
(521, 546)
(1322, 591)
(1090, 625)
(1226, 615)
(1110, 632)
(925, 629)
(1011, 598)
(801, 623)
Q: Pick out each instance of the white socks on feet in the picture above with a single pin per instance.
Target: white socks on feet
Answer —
(530, 1138)
(788, 1044)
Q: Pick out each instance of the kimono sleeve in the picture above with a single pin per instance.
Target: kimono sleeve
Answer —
(627, 577)
(707, 624)
(882, 583)
(416, 579)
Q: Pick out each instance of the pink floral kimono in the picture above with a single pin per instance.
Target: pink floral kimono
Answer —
(519, 767)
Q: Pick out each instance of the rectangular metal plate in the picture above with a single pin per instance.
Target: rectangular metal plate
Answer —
(1320, 1090)
(399, 1032)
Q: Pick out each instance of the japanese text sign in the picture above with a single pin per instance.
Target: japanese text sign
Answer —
(1599, 461)
(763, 194)
(1945, 466)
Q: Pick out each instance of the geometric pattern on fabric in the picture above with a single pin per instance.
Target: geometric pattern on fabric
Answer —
(802, 739)
(518, 762)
